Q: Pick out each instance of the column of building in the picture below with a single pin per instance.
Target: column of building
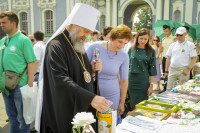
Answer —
(188, 11)
(68, 7)
(107, 12)
(32, 16)
(159, 9)
(114, 13)
(166, 9)
(9, 5)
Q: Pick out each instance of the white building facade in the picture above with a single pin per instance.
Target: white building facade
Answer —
(48, 15)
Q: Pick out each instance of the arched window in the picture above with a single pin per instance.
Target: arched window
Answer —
(102, 22)
(177, 16)
(48, 22)
(23, 22)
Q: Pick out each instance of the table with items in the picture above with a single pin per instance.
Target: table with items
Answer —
(173, 111)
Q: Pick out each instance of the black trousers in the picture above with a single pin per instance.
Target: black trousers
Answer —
(163, 64)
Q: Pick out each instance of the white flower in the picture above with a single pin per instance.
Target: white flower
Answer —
(82, 118)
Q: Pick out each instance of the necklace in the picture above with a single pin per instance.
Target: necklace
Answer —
(86, 74)
(110, 56)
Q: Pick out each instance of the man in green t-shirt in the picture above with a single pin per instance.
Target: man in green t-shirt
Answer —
(18, 56)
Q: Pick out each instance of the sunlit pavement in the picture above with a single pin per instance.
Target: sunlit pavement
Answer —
(4, 126)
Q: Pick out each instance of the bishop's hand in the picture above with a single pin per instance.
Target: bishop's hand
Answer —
(96, 66)
(100, 103)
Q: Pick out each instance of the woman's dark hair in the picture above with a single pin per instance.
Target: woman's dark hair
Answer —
(105, 31)
(143, 32)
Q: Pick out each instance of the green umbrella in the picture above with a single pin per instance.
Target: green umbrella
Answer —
(158, 27)
(177, 24)
(197, 27)
(192, 30)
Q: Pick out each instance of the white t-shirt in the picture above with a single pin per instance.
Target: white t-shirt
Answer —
(128, 46)
(181, 53)
(38, 50)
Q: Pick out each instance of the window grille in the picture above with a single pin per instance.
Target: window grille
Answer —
(177, 16)
(23, 22)
(48, 22)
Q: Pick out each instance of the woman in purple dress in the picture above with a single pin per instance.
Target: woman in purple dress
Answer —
(114, 61)
(158, 48)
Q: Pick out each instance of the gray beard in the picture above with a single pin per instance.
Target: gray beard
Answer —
(78, 46)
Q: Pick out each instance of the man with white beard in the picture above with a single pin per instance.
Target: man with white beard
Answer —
(66, 83)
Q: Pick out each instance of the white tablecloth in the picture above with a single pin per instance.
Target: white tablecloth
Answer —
(126, 127)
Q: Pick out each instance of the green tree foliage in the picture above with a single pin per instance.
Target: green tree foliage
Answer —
(145, 19)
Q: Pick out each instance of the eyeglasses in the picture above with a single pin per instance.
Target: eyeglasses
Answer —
(155, 40)
(32, 40)
(179, 35)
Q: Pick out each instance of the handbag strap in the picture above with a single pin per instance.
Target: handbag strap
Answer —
(23, 72)
(3, 48)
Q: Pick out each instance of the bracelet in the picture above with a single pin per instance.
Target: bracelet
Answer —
(166, 71)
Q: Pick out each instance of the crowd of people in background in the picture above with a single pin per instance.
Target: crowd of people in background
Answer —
(129, 63)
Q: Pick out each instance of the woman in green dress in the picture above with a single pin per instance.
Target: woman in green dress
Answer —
(142, 68)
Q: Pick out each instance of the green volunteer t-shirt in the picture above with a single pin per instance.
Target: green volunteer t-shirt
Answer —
(17, 54)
